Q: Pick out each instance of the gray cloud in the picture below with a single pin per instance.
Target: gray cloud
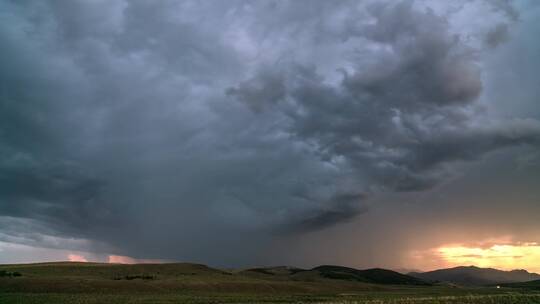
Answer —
(166, 130)
(497, 35)
(403, 116)
(341, 208)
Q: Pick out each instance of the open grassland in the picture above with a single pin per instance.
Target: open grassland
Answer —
(192, 283)
(382, 298)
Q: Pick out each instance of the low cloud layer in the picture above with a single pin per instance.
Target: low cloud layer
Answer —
(167, 130)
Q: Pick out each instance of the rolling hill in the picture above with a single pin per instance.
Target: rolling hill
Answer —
(331, 272)
(475, 276)
(374, 275)
(171, 276)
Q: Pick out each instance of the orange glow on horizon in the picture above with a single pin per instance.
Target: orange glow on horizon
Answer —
(77, 258)
(119, 259)
(504, 257)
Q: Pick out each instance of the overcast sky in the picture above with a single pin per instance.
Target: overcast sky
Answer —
(237, 133)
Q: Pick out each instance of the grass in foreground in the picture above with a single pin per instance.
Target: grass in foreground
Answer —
(237, 298)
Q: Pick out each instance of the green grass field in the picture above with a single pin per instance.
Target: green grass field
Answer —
(192, 283)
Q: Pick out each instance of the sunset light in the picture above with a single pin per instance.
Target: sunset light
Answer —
(76, 258)
(506, 256)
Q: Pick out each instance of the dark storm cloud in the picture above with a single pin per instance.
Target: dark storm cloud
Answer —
(341, 208)
(267, 87)
(497, 35)
(165, 130)
(404, 115)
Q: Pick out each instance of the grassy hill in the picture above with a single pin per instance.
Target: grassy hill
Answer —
(340, 273)
(375, 275)
(80, 277)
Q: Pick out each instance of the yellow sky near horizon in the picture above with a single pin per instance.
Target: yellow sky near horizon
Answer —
(504, 256)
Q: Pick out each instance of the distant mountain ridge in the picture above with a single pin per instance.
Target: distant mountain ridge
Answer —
(476, 276)
(372, 276)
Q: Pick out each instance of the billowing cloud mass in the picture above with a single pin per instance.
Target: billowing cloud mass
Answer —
(219, 131)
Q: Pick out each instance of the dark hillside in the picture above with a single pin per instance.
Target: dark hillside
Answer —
(475, 276)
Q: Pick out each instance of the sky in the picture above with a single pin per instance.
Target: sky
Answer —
(396, 134)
